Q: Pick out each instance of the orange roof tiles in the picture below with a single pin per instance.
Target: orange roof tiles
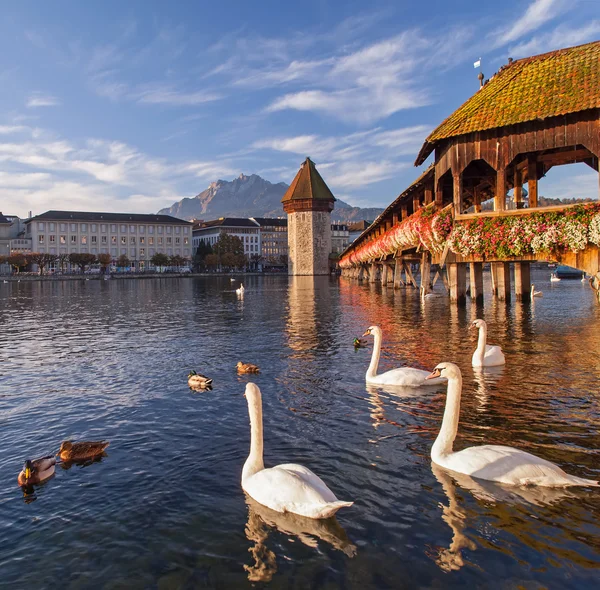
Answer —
(308, 184)
(538, 87)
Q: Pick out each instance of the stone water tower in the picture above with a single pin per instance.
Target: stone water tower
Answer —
(308, 204)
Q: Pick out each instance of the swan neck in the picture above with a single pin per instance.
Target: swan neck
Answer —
(254, 463)
(443, 443)
(372, 370)
(481, 342)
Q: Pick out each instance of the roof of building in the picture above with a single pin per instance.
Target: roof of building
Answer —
(118, 217)
(4, 219)
(359, 225)
(271, 221)
(308, 184)
(227, 222)
(547, 85)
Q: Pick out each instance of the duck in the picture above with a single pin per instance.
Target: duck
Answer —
(232, 280)
(283, 488)
(79, 451)
(404, 376)
(359, 343)
(36, 470)
(485, 355)
(554, 278)
(198, 380)
(240, 290)
(498, 463)
(535, 293)
(247, 368)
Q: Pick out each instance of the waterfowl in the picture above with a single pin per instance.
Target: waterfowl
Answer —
(79, 451)
(36, 470)
(247, 368)
(284, 488)
(240, 290)
(405, 376)
(497, 463)
(554, 278)
(359, 343)
(535, 293)
(198, 380)
(485, 355)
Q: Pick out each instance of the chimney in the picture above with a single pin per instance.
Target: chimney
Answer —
(480, 76)
(30, 215)
(510, 60)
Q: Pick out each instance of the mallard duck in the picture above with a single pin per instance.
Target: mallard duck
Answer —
(247, 368)
(198, 380)
(37, 471)
(78, 451)
(359, 343)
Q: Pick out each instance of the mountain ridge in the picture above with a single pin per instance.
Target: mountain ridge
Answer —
(251, 196)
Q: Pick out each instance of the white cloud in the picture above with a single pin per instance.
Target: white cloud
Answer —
(170, 96)
(37, 99)
(562, 36)
(358, 174)
(12, 129)
(537, 14)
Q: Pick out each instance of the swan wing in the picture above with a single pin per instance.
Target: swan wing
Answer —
(293, 488)
(510, 466)
(406, 376)
(493, 356)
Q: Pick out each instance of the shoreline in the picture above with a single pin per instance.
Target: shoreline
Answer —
(119, 277)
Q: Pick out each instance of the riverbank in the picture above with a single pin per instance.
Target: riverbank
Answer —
(116, 276)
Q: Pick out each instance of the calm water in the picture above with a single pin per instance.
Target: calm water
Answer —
(164, 509)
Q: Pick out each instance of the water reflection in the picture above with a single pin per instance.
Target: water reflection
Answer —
(262, 521)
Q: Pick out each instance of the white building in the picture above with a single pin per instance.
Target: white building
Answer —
(247, 230)
(137, 236)
(340, 237)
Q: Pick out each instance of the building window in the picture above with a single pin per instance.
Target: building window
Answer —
(113, 251)
(40, 239)
(160, 241)
(177, 230)
(40, 225)
(151, 229)
(142, 239)
(169, 240)
(84, 239)
(63, 239)
(142, 252)
(142, 229)
(73, 239)
(132, 229)
(104, 239)
(63, 227)
(94, 227)
(123, 240)
(84, 227)
(160, 229)
(132, 240)
(113, 227)
(169, 228)
(186, 230)
(51, 226)
(150, 241)
(73, 227)
(113, 239)
(103, 228)
(94, 239)
(52, 239)
(123, 229)
(186, 241)
(177, 240)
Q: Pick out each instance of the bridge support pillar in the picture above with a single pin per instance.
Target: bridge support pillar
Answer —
(522, 281)
(476, 281)
(425, 273)
(361, 272)
(384, 274)
(457, 280)
(502, 280)
(398, 282)
(373, 273)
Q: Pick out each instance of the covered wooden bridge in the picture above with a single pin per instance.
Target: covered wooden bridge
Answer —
(478, 201)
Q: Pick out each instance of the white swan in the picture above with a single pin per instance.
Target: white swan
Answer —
(554, 278)
(240, 290)
(284, 488)
(497, 463)
(405, 376)
(486, 355)
(535, 293)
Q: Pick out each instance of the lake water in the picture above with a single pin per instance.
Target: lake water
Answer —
(164, 509)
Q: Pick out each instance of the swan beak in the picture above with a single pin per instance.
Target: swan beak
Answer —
(435, 373)
(472, 327)
(367, 333)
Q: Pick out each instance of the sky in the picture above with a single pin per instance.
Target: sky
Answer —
(131, 106)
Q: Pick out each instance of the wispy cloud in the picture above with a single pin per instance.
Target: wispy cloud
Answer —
(38, 99)
(538, 13)
(169, 96)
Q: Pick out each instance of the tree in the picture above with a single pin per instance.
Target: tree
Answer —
(123, 261)
(42, 260)
(82, 260)
(256, 259)
(17, 261)
(211, 260)
(176, 261)
(203, 250)
(159, 260)
(62, 261)
(228, 243)
(104, 260)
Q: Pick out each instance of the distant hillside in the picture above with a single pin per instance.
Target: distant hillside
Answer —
(251, 196)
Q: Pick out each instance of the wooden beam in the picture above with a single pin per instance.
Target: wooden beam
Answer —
(476, 281)
(416, 202)
(532, 180)
(518, 189)
(439, 197)
(458, 193)
(404, 211)
(565, 157)
(477, 199)
(500, 197)
(395, 218)
(428, 196)
(409, 275)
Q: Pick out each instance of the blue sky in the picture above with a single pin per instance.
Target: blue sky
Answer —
(130, 106)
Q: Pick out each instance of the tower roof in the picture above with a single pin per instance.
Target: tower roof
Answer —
(308, 185)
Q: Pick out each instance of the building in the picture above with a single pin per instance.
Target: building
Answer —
(273, 239)
(246, 230)
(355, 228)
(137, 236)
(308, 203)
(340, 237)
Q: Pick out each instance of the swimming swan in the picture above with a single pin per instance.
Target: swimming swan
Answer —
(405, 376)
(241, 289)
(497, 463)
(535, 293)
(284, 488)
(486, 355)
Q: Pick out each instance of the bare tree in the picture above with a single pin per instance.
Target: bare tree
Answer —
(41, 259)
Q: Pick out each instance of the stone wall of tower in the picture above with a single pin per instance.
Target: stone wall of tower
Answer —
(309, 242)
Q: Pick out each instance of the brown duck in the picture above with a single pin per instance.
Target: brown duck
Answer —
(36, 471)
(247, 368)
(78, 451)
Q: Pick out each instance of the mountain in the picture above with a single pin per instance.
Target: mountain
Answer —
(251, 196)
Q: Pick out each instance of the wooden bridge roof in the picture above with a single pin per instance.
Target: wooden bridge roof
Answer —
(547, 85)
(308, 184)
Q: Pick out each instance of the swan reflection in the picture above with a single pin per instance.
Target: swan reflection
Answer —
(456, 517)
(484, 378)
(261, 520)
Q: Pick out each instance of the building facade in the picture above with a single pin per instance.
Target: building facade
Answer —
(308, 203)
(339, 237)
(137, 236)
(273, 239)
(246, 230)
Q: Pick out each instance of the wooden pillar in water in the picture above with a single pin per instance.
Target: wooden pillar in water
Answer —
(425, 273)
(457, 279)
(390, 274)
(522, 281)
(476, 281)
(502, 280)
(373, 273)
(398, 282)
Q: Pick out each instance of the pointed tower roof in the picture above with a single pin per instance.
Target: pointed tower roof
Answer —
(308, 185)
